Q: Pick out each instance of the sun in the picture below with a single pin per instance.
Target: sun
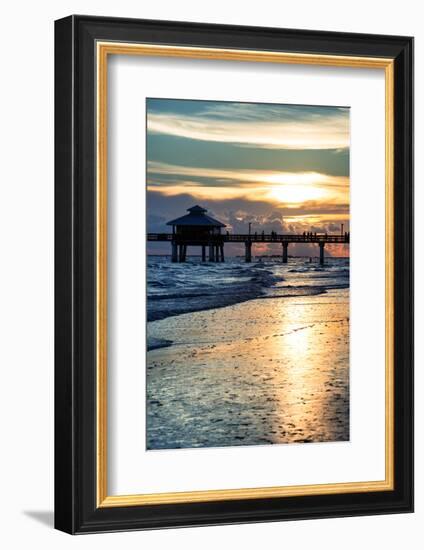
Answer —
(294, 189)
(295, 194)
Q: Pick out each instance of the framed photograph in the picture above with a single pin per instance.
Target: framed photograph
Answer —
(234, 269)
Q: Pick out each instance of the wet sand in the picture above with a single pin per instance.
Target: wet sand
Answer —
(266, 371)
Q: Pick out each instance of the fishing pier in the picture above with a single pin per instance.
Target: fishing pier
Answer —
(199, 229)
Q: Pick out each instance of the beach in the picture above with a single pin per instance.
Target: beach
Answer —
(273, 369)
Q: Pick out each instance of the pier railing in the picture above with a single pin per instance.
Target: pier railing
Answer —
(254, 238)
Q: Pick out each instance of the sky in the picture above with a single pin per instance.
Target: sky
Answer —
(282, 168)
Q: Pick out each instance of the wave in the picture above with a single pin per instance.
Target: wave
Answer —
(175, 289)
(157, 343)
(210, 291)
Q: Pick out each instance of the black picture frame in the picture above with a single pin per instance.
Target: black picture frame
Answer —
(76, 509)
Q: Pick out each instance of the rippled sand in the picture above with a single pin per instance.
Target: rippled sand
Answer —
(260, 372)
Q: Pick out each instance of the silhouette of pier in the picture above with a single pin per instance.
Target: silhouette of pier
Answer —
(198, 229)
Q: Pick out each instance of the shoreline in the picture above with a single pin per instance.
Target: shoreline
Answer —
(251, 373)
(156, 344)
(203, 286)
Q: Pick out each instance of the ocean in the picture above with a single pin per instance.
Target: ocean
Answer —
(174, 288)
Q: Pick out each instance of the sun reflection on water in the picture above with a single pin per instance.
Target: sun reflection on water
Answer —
(280, 378)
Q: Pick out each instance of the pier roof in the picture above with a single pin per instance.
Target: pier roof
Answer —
(197, 216)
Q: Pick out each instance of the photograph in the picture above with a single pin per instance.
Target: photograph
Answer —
(247, 266)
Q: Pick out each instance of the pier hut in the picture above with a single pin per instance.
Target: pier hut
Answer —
(197, 229)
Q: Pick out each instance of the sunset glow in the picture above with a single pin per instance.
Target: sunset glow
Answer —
(281, 167)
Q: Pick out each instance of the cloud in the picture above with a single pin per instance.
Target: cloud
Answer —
(278, 187)
(181, 151)
(237, 213)
(327, 134)
(246, 176)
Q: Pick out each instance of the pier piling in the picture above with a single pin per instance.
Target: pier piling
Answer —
(321, 253)
(174, 257)
(248, 252)
(285, 252)
(182, 253)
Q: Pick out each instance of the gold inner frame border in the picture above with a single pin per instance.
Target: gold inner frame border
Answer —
(103, 50)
